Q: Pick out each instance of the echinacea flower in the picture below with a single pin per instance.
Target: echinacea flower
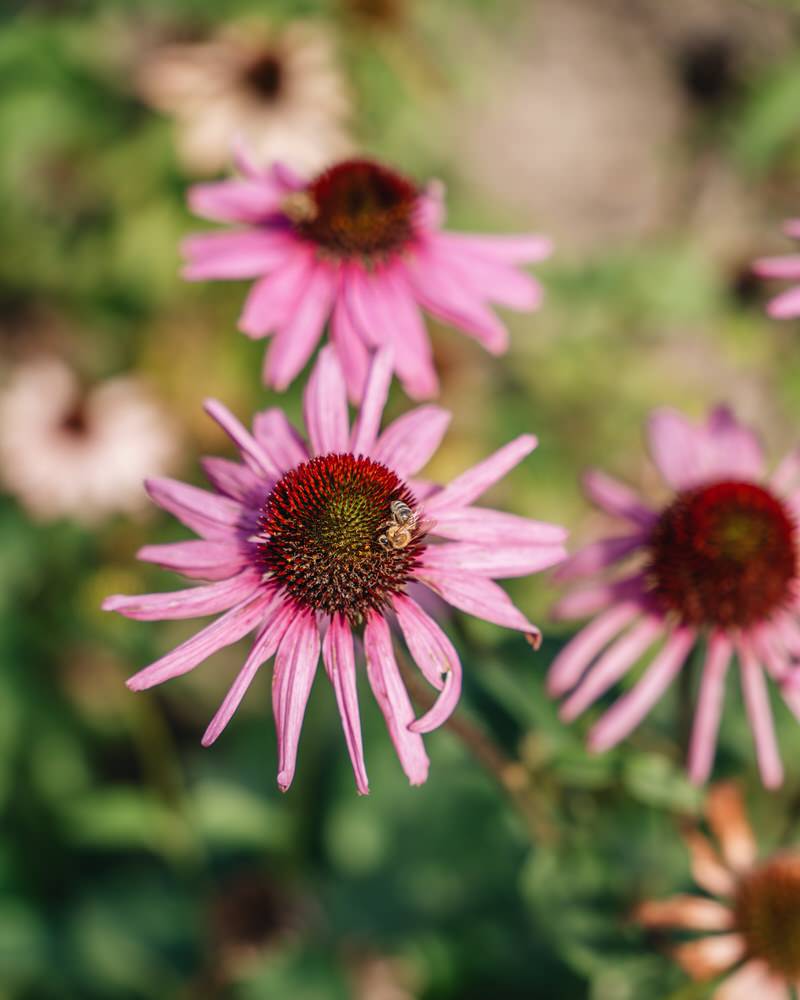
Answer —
(715, 565)
(362, 246)
(80, 453)
(307, 543)
(749, 923)
(787, 304)
(280, 89)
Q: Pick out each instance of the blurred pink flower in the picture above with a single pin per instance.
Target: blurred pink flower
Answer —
(305, 543)
(787, 304)
(749, 930)
(718, 563)
(362, 246)
(281, 89)
(69, 453)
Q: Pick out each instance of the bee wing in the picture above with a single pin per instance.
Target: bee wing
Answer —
(425, 524)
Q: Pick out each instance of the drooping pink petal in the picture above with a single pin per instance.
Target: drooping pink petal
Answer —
(787, 266)
(235, 255)
(194, 602)
(489, 278)
(480, 597)
(376, 392)
(616, 499)
(392, 697)
(295, 668)
(226, 630)
(339, 658)
(408, 443)
(264, 647)
(506, 249)
(208, 514)
(301, 330)
(475, 481)
(786, 305)
(495, 561)
(631, 708)
(350, 349)
(413, 357)
(325, 406)
(236, 481)
(197, 559)
(494, 527)
(709, 708)
(759, 713)
(441, 292)
(254, 455)
(598, 556)
(272, 300)
(752, 982)
(364, 308)
(568, 667)
(611, 666)
(279, 439)
(235, 201)
(435, 656)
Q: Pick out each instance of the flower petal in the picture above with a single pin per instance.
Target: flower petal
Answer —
(494, 527)
(236, 481)
(707, 869)
(612, 665)
(339, 658)
(295, 667)
(392, 697)
(786, 266)
(350, 349)
(709, 708)
(365, 429)
(263, 648)
(413, 357)
(197, 559)
(325, 406)
(273, 299)
(598, 556)
(708, 957)
(233, 255)
(235, 200)
(728, 820)
(756, 700)
(279, 439)
(301, 330)
(408, 443)
(480, 597)
(435, 656)
(753, 982)
(226, 630)
(694, 913)
(475, 481)
(208, 514)
(495, 562)
(632, 707)
(785, 306)
(253, 454)
(506, 249)
(616, 499)
(194, 602)
(570, 664)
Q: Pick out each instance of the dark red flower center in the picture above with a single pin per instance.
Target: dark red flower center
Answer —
(768, 914)
(341, 534)
(264, 76)
(723, 555)
(356, 209)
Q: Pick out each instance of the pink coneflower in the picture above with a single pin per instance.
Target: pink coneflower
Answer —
(787, 304)
(717, 563)
(306, 543)
(750, 930)
(281, 89)
(70, 452)
(362, 246)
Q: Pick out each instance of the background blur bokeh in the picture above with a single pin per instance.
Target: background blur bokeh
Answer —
(659, 144)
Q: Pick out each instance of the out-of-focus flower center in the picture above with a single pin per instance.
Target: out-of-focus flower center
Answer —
(264, 76)
(723, 555)
(75, 422)
(768, 914)
(341, 533)
(355, 209)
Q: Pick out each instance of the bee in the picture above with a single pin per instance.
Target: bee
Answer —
(399, 529)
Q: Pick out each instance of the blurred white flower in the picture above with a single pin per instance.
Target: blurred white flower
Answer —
(280, 90)
(69, 453)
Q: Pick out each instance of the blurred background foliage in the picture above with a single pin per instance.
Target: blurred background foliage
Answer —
(660, 145)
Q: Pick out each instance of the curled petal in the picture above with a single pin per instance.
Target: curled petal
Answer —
(480, 597)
